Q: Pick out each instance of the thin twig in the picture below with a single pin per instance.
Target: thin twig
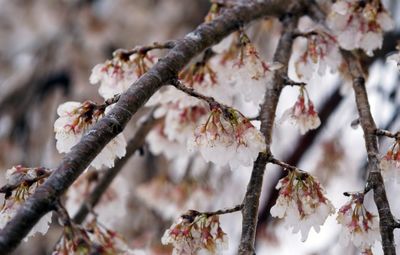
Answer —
(382, 132)
(191, 92)
(144, 49)
(236, 208)
(29, 181)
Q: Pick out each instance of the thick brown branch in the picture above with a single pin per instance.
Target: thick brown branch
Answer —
(134, 144)
(76, 161)
(267, 117)
(387, 222)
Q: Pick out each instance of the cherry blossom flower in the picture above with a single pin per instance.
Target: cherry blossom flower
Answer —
(251, 74)
(319, 52)
(75, 119)
(116, 75)
(25, 181)
(301, 203)
(359, 225)
(159, 143)
(195, 233)
(390, 163)
(359, 24)
(228, 138)
(203, 78)
(180, 123)
(116, 196)
(303, 113)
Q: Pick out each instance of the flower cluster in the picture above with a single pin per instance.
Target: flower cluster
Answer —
(359, 225)
(359, 24)
(251, 74)
(303, 113)
(390, 163)
(21, 183)
(301, 203)
(228, 137)
(202, 77)
(319, 52)
(74, 120)
(116, 75)
(195, 233)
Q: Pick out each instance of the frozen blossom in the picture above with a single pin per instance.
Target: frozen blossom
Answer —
(196, 233)
(359, 24)
(203, 78)
(301, 203)
(24, 182)
(303, 113)
(390, 163)
(227, 137)
(75, 119)
(251, 74)
(359, 225)
(159, 143)
(116, 75)
(319, 52)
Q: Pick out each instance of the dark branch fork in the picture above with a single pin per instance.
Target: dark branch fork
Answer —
(76, 161)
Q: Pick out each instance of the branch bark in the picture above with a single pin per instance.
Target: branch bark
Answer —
(267, 117)
(76, 161)
(387, 222)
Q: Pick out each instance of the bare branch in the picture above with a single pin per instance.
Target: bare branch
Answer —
(267, 117)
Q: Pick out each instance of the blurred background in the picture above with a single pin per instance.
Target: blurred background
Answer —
(47, 51)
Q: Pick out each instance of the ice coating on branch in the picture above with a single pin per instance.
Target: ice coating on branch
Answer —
(196, 233)
(301, 203)
(228, 138)
(75, 119)
(359, 24)
(359, 225)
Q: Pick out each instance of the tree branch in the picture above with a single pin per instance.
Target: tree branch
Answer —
(267, 117)
(387, 222)
(76, 161)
